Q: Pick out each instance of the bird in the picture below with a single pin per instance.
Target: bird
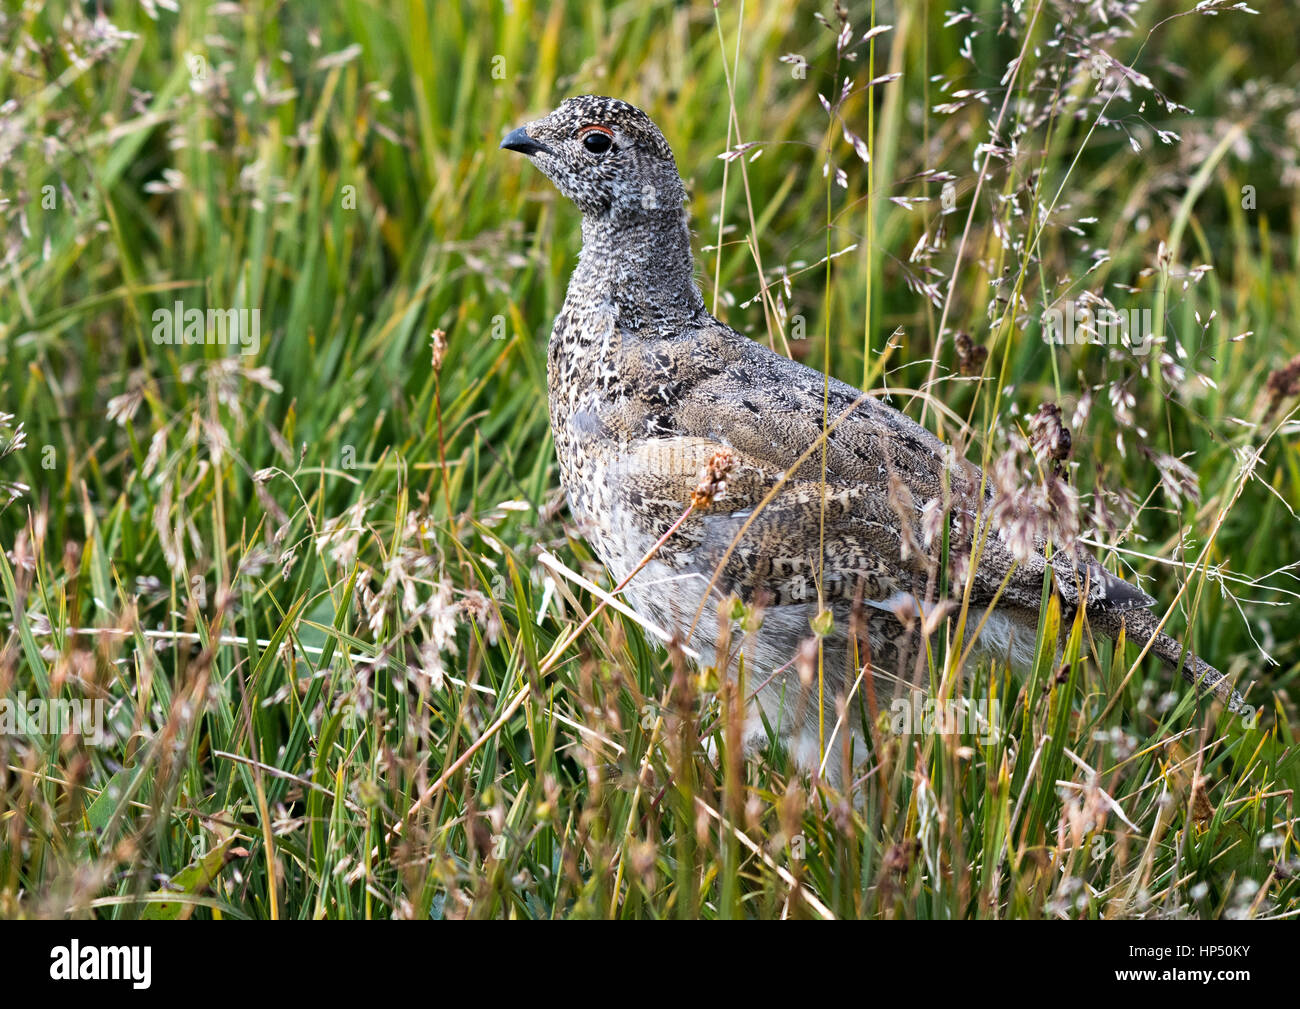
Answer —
(704, 468)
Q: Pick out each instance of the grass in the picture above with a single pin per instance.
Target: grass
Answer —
(327, 592)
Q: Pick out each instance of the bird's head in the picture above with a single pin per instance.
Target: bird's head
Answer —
(605, 155)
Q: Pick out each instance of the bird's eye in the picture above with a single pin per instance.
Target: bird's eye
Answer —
(596, 139)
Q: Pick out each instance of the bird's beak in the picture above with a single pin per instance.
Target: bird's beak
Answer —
(519, 140)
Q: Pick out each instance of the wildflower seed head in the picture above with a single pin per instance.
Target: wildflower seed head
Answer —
(438, 343)
(1049, 437)
(970, 355)
(1282, 384)
(713, 479)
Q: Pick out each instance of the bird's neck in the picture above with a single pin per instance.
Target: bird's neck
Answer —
(644, 266)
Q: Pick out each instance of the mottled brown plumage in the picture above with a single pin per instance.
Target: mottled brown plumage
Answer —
(646, 387)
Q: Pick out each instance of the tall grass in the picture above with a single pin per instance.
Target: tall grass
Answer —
(327, 591)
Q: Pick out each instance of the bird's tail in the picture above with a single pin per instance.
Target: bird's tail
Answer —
(1140, 627)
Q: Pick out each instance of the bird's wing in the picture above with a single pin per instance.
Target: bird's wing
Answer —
(762, 535)
(879, 470)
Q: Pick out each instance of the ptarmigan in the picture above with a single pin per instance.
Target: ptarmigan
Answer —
(647, 390)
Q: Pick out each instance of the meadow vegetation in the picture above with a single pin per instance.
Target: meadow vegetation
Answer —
(355, 662)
